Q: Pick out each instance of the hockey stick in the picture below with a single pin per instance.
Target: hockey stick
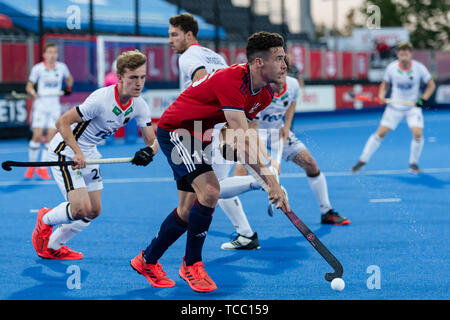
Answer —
(381, 101)
(6, 165)
(17, 95)
(271, 207)
(308, 234)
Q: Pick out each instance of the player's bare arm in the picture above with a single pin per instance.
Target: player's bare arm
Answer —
(200, 73)
(69, 85)
(262, 147)
(63, 125)
(148, 134)
(250, 153)
(431, 86)
(240, 170)
(384, 86)
(29, 88)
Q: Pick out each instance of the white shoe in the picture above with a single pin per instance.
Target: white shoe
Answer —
(242, 243)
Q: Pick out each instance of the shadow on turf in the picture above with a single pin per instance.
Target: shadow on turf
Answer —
(228, 269)
(52, 277)
(423, 179)
(228, 272)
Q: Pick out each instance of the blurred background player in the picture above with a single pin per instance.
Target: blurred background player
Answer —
(111, 77)
(49, 75)
(294, 72)
(405, 77)
(233, 95)
(194, 63)
(80, 130)
(272, 127)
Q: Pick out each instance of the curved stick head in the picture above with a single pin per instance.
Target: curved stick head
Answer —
(330, 276)
(6, 166)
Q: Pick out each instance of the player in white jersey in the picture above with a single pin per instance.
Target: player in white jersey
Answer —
(80, 130)
(274, 123)
(405, 77)
(49, 76)
(194, 63)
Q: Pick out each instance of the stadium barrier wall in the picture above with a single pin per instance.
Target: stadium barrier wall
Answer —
(81, 54)
(15, 114)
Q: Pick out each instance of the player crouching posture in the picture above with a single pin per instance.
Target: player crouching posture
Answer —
(80, 130)
(234, 95)
(272, 127)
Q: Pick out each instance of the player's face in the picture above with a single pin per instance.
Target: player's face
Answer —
(132, 81)
(274, 67)
(177, 39)
(404, 56)
(280, 82)
(50, 55)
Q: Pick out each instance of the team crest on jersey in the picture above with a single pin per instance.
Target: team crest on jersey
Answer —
(129, 110)
(116, 110)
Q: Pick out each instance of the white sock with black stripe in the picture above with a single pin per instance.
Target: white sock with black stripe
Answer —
(233, 186)
(66, 232)
(33, 150)
(44, 152)
(235, 212)
(372, 144)
(415, 150)
(58, 215)
(318, 185)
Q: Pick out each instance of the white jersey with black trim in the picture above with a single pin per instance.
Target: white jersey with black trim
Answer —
(102, 115)
(195, 58)
(49, 81)
(405, 83)
(272, 117)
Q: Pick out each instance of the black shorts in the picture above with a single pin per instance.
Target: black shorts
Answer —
(186, 157)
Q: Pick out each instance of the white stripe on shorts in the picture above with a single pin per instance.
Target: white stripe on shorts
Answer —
(182, 151)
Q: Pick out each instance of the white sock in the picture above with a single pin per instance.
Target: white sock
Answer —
(416, 150)
(58, 215)
(33, 150)
(233, 186)
(44, 152)
(319, 187)
(234, 211)
(65, 232)
(371, 146)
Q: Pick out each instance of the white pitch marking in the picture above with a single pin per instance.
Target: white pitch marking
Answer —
(385, 200)
(14, 150)
(359, 123)
(284, 176)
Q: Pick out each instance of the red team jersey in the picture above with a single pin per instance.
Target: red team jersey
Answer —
(208, 98)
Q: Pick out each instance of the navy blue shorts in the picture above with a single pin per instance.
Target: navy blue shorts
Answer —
(186, 156)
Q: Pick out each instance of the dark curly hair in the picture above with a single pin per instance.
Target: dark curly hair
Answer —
(185, 22)
(260, 43)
